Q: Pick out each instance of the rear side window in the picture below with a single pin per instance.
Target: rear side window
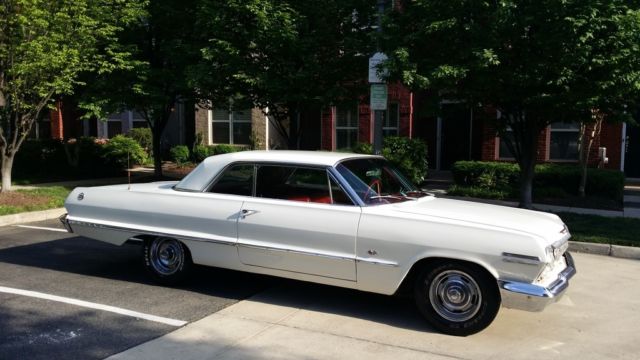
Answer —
(297, 184)
(236, 180)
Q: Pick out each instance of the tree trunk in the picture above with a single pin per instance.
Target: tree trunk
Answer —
(7, 166)
(527, 161)
(157, 157)
(527, 172)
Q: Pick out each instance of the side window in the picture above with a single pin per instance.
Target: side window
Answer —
(338, 195)
(236, 180)
(298, 184)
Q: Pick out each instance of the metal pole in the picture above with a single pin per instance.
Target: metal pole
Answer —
(378, 114)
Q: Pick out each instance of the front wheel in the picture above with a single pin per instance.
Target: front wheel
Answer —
(167, 260)
(457, 298)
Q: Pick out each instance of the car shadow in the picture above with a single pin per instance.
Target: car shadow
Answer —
(82, 256)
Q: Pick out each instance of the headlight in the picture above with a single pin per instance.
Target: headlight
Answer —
(556, 250)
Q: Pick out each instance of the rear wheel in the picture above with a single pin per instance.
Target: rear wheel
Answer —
(167, 260)
(457, 298)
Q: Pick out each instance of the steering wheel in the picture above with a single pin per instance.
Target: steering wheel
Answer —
(370, 190)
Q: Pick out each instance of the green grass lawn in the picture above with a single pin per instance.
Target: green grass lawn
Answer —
(604, 230)
(32, 200)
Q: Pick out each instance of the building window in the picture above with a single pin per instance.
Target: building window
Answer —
(390, 120)
(231, 127)
(563, 143)
(346, 127)
(138, 121)
(114, 125)
(503, 151)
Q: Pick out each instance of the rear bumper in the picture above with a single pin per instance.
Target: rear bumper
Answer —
(65, 223)
(531, 297)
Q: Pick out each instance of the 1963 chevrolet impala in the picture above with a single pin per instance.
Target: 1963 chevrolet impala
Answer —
(341, 219)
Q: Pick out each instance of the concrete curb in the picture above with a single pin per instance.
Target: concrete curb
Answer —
(31, 216)
(617, 251)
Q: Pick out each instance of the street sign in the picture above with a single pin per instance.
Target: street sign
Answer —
(374, 61)
(378, 97)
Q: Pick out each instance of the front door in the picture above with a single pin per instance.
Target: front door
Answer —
(632, 152)
(455, 134)
(297, 222)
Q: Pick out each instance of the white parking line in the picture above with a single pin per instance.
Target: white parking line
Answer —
(41, 228)
(91, 305)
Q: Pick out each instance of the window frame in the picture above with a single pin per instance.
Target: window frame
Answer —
(387, 113)
(355, 117)
(575, 130)
(330, 176)
(231, 121)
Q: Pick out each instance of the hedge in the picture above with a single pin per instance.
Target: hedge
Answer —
(550, 180)
(408, 155)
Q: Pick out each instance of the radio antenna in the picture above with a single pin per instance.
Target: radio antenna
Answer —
(128, 172)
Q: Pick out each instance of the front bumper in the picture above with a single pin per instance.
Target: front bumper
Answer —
(65, 222)
(531, 297)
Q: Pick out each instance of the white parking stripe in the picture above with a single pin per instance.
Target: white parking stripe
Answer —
(91, 305)
(41, 228)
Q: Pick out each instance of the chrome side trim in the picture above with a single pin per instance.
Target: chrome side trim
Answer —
(152, 233)
(531, 297)
(299, 252)
(521, 259)
(377, 262)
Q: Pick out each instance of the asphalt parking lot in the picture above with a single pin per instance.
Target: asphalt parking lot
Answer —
(63, 296)
(230, 315)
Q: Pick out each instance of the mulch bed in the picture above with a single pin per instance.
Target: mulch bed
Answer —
(15, 198)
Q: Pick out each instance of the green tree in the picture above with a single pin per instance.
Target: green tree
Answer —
(285, 55)
(165, 47)
(44, 46)
(535, 62)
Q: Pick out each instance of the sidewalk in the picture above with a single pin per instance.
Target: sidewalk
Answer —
(306, 321)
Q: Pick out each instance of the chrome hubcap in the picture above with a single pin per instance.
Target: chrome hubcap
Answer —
(455, 295)
(167, 256)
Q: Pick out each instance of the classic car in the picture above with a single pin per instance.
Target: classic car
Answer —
(347, 220)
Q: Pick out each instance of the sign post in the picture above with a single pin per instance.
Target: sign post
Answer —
(378, 98)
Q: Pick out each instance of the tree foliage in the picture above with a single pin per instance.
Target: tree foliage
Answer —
(44, 46)
(285, 55)
(535, 62)
(165, 46)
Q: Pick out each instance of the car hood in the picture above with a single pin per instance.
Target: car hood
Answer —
(537, 223)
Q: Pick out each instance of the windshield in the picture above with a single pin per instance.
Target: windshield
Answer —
(375, 181)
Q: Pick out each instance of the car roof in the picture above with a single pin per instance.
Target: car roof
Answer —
(200, 177)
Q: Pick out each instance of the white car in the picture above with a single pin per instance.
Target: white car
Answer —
(341, 219)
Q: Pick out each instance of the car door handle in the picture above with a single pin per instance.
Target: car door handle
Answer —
(246, 212)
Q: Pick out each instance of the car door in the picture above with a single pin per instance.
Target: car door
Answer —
(301, 221)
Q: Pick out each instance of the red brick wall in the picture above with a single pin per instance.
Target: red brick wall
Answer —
(489, 150)
(611, 138)
(57, 127)
(402, 96)
(327, 128)
(365, 134)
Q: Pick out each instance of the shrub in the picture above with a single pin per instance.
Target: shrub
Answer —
(144, 137)
(409, 155)
(224, 149)
(180, 154)
(550, 180)
(363, 148)
(123, 152)
(201, 152)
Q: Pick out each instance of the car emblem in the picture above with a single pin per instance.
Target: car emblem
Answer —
(80, 196)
